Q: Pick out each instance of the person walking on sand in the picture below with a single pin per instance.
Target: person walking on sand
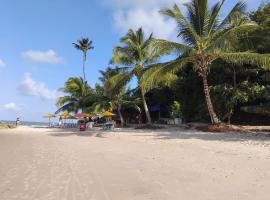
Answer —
(17, 121)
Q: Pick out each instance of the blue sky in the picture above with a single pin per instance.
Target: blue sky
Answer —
(36, 52)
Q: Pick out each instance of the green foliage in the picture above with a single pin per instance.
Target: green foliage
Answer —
(260, 37)
(227, 97)
(231, 53)
(262, 15)
(208, 39)
(258, 109)
(110, 97)
(108, 73)
(176, 110)
(79, 96)
(84, 44)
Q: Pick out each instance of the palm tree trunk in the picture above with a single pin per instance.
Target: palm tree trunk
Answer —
(213, 116)
(147, 113)
(84, 59)
(120, 115)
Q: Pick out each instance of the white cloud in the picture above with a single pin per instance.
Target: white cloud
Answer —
(140, 3)
(2, 64)
(12, 106)
(43, 57)
(143, 13)
(151, 21)
(30, 87)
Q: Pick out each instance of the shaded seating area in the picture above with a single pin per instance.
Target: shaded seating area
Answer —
(83, 121)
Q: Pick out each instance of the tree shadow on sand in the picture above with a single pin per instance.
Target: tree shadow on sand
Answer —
(226, 137)
(167, 134)
(76, 132)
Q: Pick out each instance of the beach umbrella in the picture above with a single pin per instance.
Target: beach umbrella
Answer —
(49, 116)
(92, 114)
(107, 114)
(81, 115)
(66, 116)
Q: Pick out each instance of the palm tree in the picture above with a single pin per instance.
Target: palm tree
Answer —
(80, 96)
(108, 73)
(206, 38)
(112, 100)
(111, 97)
(84, 45)
(134, 56)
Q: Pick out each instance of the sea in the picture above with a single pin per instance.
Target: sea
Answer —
(26, 123)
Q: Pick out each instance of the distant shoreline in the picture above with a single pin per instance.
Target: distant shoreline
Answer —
(25, 123)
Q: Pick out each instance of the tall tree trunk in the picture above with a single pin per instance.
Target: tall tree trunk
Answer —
(147, 113)
(120, 115)
(213, 116)
(84, 60)
(234, 78)
(229, 118)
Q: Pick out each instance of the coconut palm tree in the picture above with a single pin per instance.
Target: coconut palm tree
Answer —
(79, 96)
(134, 56)
(108, 73)
(116, 101)
(205, 38)
(111, 97)
(84, 45)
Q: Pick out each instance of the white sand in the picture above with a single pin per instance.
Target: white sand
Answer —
(44, 164)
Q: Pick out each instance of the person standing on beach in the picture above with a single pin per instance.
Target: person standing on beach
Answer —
(17, 121)
(60, 122)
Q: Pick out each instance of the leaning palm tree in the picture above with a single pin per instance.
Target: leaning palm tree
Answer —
(83, 45)
(79, 96)
(205, 38)
(134, 56)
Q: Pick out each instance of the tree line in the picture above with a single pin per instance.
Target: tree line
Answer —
(218, 68)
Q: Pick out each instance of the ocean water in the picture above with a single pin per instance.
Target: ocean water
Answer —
(26, 123)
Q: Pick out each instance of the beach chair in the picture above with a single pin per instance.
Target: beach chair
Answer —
(108, 126)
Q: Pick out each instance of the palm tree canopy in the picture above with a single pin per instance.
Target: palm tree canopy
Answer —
(84, 44)
(108, 73)
(79, 96)
(137, 52)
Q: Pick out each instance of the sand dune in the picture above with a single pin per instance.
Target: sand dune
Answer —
(47, 164)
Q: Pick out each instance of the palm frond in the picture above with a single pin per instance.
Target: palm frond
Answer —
(64, 100)
(261, 60)
(230, 36)
(117, 82)
(169, 46)
(187, 32)
(213, 16)
(84, 44)
(161, 74)
(236, 12)
(198, 15)
(69, 107)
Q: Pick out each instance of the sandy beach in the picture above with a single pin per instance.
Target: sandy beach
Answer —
(52, 164)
